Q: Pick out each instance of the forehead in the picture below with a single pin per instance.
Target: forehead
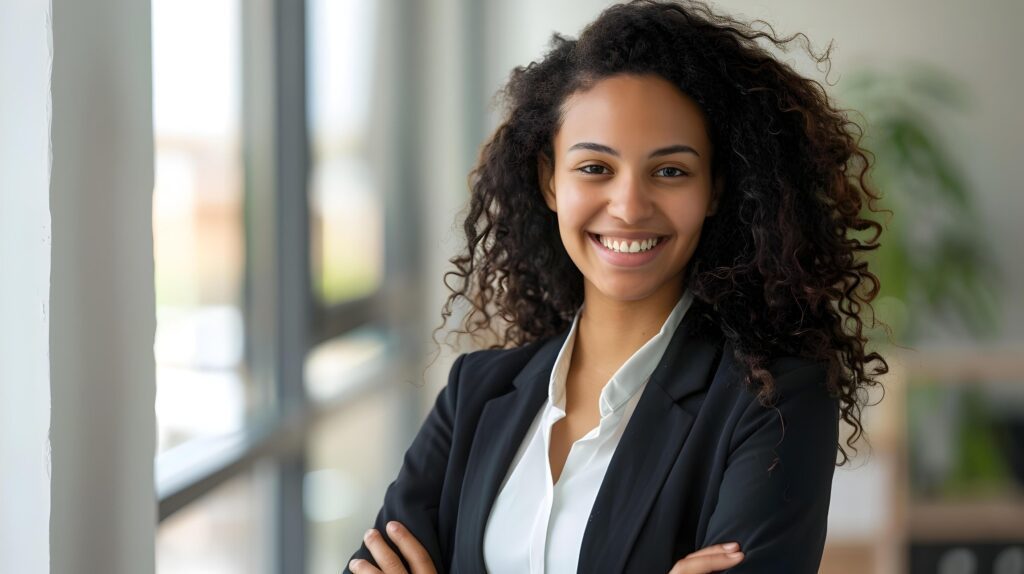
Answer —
(632, 113)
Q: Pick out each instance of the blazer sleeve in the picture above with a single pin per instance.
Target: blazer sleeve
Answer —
(414, 496)
(775, 491)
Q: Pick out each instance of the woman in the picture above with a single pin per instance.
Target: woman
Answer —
(661, 226)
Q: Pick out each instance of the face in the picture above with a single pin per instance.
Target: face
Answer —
(631, 185)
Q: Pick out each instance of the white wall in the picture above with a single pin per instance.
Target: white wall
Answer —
(444, 161)
(24, 286)
(103, 310)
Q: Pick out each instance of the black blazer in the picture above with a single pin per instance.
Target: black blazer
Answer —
(700, 461)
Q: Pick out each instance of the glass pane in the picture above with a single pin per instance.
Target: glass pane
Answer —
(352, 455)
(228, 531)
(198, 230)
(345, 362)
(346, 211)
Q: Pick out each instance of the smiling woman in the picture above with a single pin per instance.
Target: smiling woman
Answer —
(653, 188)
(661, 237)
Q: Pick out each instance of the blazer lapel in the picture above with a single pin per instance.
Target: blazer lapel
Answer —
(649, 445)
(501, 429)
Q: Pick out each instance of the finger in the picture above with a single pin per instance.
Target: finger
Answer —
(358, 566)
(387, 560)
(716, 549)
(418, 557)
(707, 564)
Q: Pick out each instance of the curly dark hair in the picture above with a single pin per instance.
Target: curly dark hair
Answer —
(776, 270)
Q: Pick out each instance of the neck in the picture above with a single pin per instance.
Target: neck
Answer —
(611, 330)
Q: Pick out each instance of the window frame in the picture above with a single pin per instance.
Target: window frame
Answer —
(284, 320)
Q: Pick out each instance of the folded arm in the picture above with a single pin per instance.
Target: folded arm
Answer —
(414, 496)
(774, 495)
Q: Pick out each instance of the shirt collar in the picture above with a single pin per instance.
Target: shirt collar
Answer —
(632, 375)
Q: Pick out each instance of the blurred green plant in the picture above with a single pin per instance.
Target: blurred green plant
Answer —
(934, 263)
(954, 453)
(934, 258)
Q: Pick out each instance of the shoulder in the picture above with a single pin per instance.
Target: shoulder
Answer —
(802, 391)
(802, 411)
(792, 376)
(789, 365)
(499, 361)
(799, 375)
(486, 373)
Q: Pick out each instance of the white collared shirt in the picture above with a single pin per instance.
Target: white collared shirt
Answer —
(535, 526)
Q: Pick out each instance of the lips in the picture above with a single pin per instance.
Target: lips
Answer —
(625, 259)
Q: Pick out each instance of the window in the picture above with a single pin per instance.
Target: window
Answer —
(199, 247)
(347, 223)
(269, 214)
(225, 531)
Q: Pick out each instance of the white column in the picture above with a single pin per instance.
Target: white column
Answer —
(103, 310)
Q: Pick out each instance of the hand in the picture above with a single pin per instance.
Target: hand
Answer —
(412, 550)
(710, 559)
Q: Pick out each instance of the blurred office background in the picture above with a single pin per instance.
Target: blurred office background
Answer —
(308, 172)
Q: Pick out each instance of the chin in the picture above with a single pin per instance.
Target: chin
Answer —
(627, 292)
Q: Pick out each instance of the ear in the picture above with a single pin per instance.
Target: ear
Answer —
(546, 180)
(717, 187)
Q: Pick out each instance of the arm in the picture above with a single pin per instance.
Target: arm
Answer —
(775, 491)
(413, 497)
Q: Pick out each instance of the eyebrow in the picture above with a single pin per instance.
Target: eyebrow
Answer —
(678, 148)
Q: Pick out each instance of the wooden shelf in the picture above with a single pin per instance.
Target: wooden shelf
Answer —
(849, 558)
(995, 520)
(960, 364)
(907, 520)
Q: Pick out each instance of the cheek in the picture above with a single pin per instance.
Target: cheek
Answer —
(573, 207)
(688, 214)
(692, 222)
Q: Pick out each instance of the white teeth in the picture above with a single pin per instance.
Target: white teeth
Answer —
(625, 246)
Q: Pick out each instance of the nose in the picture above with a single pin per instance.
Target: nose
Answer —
(630, 201)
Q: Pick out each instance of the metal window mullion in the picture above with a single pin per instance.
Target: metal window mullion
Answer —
(294, 296)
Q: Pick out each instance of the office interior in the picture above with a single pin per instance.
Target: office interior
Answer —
(224, 286)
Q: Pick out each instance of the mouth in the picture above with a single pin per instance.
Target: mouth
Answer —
(628, 246)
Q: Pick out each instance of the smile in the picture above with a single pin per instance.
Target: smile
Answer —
(628, 252)
(623, 245)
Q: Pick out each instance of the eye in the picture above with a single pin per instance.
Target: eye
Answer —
(593, 165)
(673, 171)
